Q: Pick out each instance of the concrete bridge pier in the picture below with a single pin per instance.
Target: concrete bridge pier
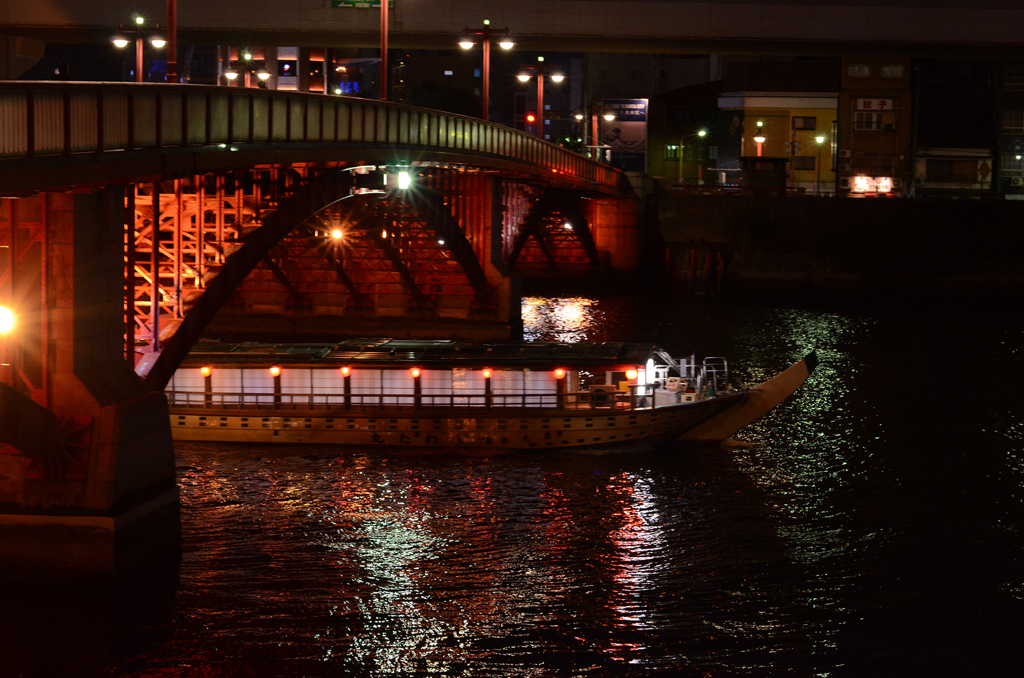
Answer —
(87, 484)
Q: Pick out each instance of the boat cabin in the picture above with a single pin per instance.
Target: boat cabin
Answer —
(387, 373)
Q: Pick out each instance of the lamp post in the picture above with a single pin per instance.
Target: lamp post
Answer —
(172, 40)
(608, 115)
(121, 41)
(383, 50)
(248, 68)
(485, 34)
(760, 140)
(700, 160)
(820, 139)
(539, 71)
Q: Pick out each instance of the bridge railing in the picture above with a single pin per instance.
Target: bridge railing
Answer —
(63, 118)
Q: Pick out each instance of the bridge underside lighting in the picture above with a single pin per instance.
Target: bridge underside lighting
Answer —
(337, 234)
(6, 320)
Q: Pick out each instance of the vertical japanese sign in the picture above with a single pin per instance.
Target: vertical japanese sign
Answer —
(626, 135)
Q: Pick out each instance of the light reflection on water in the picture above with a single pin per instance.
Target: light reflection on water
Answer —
(869, 528)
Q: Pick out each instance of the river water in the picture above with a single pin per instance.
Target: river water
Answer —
(870, 526)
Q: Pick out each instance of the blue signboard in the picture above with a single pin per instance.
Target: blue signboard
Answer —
(626, 135)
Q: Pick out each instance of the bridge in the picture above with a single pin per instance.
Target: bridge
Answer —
(131, 214)
(965, 28)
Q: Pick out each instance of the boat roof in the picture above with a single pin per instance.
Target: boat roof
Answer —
(423, 353)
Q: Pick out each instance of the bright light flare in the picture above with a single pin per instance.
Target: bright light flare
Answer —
(337, 234)
(632, 374)
(346, 371)
(488, 373)
(559, 373)
(415, 372)
(275, 371)
(205, 370)
(6, 320)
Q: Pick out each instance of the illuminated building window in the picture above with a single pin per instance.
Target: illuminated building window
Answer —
(1013, 165)
(858, 70)
(671, 152)
(892, 71)
(870, 121)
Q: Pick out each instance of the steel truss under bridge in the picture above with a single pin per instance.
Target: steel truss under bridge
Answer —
(194, 244)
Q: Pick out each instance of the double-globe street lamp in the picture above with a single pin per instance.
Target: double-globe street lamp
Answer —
(247, 66)
(538, 71)
(485, 34)
(121, 41)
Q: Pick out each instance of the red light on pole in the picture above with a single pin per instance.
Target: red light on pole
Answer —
(559, 373)
(488, 373)
(205, 370)
(415, 372)
(346, 371)
(275, 371)
(631, 374)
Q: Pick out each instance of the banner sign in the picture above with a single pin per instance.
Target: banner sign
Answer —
(626, 135)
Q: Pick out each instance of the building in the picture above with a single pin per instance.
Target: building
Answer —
(875, 129)
(792, 107)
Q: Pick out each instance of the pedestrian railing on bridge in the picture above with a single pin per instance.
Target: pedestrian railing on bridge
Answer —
(50, 119)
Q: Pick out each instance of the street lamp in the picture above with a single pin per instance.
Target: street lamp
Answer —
(247, 67)
(121, 41)
(608, 115)
(384, 50)
(485, 34)
(539, 71)
(820, 139)
(760, 140)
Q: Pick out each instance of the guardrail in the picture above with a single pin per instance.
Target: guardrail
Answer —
(40, 119)
(202, 400)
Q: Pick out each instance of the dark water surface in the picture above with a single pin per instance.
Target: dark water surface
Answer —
(871, 528)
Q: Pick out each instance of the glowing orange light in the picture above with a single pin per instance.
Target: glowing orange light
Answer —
(275, 371)
(415, 372)
(205, 370)
(559, 373)
(488, 373)
(345, 371)
(337, 234)
(631, 374)
(530, 117)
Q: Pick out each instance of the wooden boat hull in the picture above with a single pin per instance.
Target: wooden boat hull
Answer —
(493, 430)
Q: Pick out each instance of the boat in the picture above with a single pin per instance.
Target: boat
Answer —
(468, 397)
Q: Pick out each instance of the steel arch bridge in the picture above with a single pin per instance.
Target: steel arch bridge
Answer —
(231, 196)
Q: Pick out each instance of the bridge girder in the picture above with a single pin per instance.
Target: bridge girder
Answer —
(192, 249)
(557, 223)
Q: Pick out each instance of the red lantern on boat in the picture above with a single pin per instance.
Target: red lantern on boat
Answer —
(205, 370)
(631, 374)
(275, 371)
(415, 372)
(345, 371)
(488, 373)
(559, 373)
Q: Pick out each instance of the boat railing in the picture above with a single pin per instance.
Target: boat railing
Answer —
(638, 397)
